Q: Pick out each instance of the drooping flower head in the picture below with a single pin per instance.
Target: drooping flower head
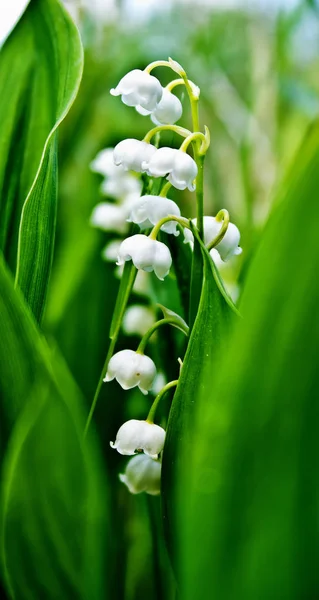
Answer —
(146, 254)
(140, 89)
(131, 369)
(142, 474)
(131, 154)
(139, 435)
(180, 168)
(168, 111)
(151, 209)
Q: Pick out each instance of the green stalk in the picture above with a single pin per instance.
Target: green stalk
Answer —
(124, 292)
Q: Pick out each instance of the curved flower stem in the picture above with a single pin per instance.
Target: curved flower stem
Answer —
(179, 130)
(172, 84)
(223, 216)
(167, 186)
(157, 63)
(181, 220)
(168, 386)
(204, 138)
(167, 321)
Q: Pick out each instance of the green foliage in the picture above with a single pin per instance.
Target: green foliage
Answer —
(206, 346)
(40, 72)
(248, 527)
(53, 493)
(240, 459)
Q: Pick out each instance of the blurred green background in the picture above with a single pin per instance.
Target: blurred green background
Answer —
(256, 65)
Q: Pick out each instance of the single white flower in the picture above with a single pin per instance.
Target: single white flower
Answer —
(142, 474)
(168, 111)
(111, 250)
(131, 154)
(109, 217)
(131, 369)
(137, 319)
(146, 254)
(151, 209)
(139, 88)
(179, 166)
(228, 247)
(139, 435)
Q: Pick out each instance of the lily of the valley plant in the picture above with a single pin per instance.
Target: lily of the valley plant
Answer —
(151, 213)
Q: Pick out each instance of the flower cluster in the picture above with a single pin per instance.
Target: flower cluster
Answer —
(153, 214)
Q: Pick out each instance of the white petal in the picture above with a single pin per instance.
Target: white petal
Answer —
(163, 261)
(168, 111)
(142, 474)
(184, 171)
(161, 162)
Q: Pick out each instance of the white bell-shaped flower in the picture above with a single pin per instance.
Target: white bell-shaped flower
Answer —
(168, 111)
(139, 435)
(142, 474)
(138, 319)
(146, 254)
(179, 166)
(184, 172)
(109, 217)
(229, 245)
(131, 369)
(139, 88)
(151, 209)
(132, 154)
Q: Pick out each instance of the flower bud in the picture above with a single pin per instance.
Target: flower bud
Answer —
(109, 217)
(229, 245)
(179, 166)
(131, 369)
(131, 154)
(139, 88)
(139, 435)
(146, 254)
(151, 209)
(142, 474)
(168, 111)
(138, 319)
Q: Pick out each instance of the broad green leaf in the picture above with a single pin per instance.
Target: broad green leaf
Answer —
(53, 494)
(251, 510)
(207, 341)
(40, 72)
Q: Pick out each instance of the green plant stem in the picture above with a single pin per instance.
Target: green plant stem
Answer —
(120, 306)
(166, 187)
(168, 386)
(156, 229)
(167, 321)
(175, 128)
(224, 215)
